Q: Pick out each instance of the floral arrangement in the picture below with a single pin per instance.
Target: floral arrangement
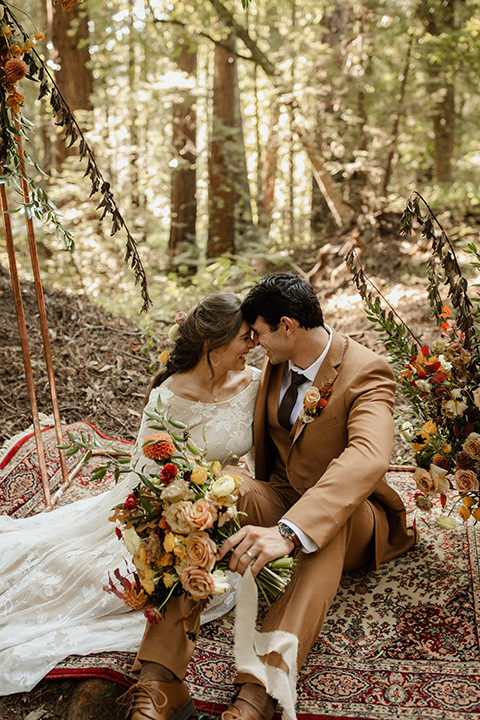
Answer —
(13, 68)
(440, 383)
(314, 400)
(173, 522)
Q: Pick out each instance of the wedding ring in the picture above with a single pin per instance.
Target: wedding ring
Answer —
(250, 555)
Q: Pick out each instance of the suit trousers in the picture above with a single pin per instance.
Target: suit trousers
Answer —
(301, 610)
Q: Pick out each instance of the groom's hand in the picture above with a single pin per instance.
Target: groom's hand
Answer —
(255, 546)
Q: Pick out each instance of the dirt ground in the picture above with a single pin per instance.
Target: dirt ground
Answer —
(103, 368)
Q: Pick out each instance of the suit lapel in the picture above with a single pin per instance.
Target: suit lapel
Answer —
(326, 375)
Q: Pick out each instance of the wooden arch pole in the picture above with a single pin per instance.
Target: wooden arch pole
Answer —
(22, 328)
(41, 307)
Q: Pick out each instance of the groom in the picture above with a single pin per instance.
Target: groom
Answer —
(323, 434)
(320, 485)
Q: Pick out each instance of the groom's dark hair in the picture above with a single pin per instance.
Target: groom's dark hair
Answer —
(283, 294)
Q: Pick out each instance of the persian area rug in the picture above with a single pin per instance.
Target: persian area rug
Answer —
(402, 641)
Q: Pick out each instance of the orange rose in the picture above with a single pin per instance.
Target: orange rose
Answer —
(196, 581)
(476, 513)
(472, 446)
(466, 481)
(200, 515)
(464, 512)
(158, 446)
(201, 550)
(311, 398)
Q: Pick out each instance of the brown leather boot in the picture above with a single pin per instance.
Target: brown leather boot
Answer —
(155, 700)
(251, 703)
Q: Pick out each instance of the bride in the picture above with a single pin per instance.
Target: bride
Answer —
(53, 566)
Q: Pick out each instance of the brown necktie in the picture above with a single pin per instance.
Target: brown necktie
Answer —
(289, 399)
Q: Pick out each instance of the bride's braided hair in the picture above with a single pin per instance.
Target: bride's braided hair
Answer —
(214, 322)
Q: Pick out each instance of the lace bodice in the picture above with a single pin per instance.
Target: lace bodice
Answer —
(53, 566)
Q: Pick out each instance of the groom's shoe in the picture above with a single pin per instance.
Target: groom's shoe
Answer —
(158, 699)
(251, 703)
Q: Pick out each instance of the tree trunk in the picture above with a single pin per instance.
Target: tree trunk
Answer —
(73, 77)
(269, 169)
(222, 192)
(133, 112)
(439, 18)
(183, 193)
(392, 152)
(340, 211)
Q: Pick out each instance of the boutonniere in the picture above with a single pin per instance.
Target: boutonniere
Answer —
(314, 400)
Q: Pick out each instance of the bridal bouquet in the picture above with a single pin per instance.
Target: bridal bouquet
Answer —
(173, 522)
(439, 383)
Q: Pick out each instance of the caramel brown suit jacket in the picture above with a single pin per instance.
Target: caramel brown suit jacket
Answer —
(339, 460)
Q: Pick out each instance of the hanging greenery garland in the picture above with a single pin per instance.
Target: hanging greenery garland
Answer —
(19, 60)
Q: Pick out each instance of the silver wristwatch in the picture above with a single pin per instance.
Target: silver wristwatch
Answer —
(289, 534)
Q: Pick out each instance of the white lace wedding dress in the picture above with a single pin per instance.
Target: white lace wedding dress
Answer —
(53, 566)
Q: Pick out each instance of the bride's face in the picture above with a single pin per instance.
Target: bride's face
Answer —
(233, 355)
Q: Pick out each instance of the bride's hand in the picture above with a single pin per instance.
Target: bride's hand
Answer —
(241, 470)
(254, 546)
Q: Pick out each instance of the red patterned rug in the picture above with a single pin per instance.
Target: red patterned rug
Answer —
(399, 642)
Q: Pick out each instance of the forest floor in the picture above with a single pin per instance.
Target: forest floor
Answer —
(103, 366)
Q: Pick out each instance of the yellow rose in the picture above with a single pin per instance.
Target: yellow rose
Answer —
(168, 580)
(169, 542)
(165, 560)
(199, 475)
(216, 468)
(163, 357)
(148, 585)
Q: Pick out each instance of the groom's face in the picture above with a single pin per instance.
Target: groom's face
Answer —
(277, 343)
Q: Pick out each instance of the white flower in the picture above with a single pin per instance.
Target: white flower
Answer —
(454, 407)
(304, 417)
(406, 430)
(446, 365)
(132, 541)
(177, 490)
(221, 583)
(223, 486)
(476, 397)
(438, 475)
(446, 522)
(423, 385)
